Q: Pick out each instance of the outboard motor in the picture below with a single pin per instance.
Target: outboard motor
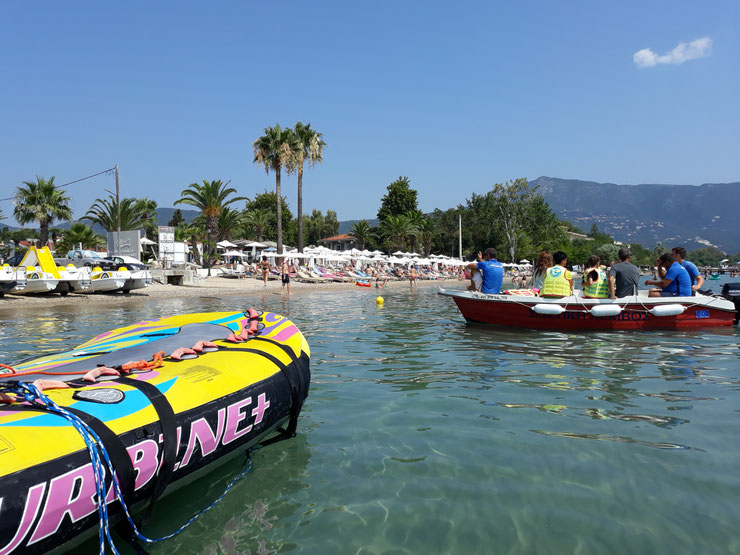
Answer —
(731, 292)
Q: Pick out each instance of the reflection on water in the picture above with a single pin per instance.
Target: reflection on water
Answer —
(425, 434)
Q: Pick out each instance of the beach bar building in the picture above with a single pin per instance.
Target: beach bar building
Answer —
(342, 242)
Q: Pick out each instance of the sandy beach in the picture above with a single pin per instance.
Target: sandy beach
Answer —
(209, 287)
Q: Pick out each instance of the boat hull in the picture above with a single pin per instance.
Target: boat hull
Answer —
(502, 310)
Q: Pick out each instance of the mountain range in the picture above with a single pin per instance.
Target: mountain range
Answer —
(687, 215)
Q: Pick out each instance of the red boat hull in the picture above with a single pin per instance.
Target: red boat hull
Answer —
(633, 317)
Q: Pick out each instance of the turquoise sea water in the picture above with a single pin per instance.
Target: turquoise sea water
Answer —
(424, 434)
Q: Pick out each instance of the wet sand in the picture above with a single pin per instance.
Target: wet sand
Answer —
(209, 287)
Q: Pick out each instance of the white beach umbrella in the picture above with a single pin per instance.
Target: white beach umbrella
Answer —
(234, 253)
(226, 244)
(399, 253)
(146, 241)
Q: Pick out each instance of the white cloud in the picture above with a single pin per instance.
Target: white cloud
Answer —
(684, 52)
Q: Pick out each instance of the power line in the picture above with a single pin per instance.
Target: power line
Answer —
(109, 170)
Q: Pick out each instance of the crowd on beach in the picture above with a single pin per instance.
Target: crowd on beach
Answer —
(674, 276)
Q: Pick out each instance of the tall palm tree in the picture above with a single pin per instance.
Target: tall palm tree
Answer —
(396, 228)
(361, 232)
(104, 212)
(210, 198)
(275, 150)
(310, 148)
(41, 202)
(258, 219)
(79, 233)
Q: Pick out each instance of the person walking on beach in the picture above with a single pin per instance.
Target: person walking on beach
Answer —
(285, 276)
(492, 270)
(265, 267)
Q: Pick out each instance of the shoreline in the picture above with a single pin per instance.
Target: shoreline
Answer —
(209, 287)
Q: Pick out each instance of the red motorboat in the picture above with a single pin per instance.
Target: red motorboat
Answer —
(638, 312)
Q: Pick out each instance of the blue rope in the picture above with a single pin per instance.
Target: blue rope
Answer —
(100, 462)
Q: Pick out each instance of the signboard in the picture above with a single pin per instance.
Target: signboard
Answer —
(166, 246)
(129, 245)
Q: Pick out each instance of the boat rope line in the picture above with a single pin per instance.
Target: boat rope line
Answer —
(102, 465)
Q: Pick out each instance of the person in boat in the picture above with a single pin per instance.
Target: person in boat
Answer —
(544, 262)
(558, 280)
(675, 281)
(624, 277)
(594, 279)
(491, 269)
(697, 281)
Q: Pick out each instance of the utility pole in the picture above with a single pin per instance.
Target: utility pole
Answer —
(118, 216)
(459, 236)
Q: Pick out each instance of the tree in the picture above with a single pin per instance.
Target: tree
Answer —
(361, 232)
(607, 253)
(319, 226)
(230, 223)
(396, 228)
(79, 233)
(707, 256)
(399, 200)
(104, 212)
(210, 197)
(276, 150)
(511, 201)
(268, 201)
(147, 210)
(258, 220)
(416, 220)
(309, 148)
(427, 230)
(176, 218)
(41, 202)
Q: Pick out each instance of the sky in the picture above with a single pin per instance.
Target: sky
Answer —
(455, 95)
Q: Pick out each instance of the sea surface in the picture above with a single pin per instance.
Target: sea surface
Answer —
(424, 434)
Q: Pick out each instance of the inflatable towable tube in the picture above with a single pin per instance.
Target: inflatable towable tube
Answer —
(164, 418)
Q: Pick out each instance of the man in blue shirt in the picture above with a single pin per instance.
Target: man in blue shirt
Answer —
(676, 281)
(697, 280)
(492, 271)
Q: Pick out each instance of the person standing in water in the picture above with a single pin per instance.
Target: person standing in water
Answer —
(265, 267)
(285, 275)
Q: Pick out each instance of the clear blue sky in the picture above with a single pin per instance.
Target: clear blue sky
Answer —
(455, 95)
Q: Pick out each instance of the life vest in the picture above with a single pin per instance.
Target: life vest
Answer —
(555, 284)
(599, 289)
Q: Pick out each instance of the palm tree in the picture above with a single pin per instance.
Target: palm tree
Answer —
(104, 212)
(230, 222)
(361, 232)
(148, 210)
(210, 198)
(79, 233)
(310, 148)
(396, 228)
(427, 229)
(275, 150)
(416, 219)
(41, 202)
(258, 219)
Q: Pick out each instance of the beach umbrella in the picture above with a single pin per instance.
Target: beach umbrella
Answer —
(226, 244)
(146, 241)
(398, 253)
(234, 253)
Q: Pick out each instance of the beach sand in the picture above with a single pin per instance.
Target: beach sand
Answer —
(209, 287)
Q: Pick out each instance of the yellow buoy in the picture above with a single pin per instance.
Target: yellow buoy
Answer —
(379, 301)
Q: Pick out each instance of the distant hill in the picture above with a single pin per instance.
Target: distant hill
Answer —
(688, 215)
(692, 216)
